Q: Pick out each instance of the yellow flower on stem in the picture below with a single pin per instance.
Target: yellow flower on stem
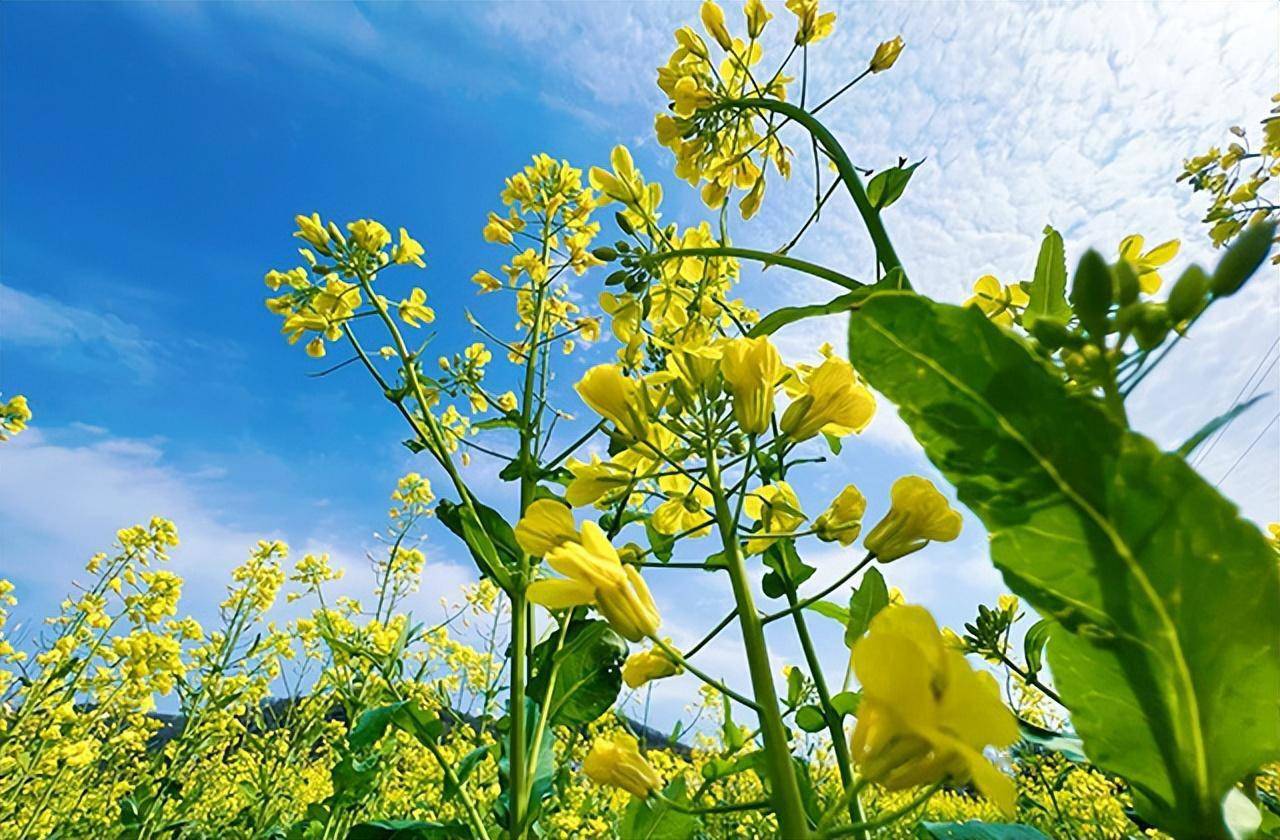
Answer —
(14, 416)
(595, 480)
(918, 515)
(508, 402)
(997, 301)
(652, 664)
(408, 251)
(486, 281)
(545, 525)
(1145, 265)
(369, 235)
(616, 397)
(833, 401)
(842, 521)
(713, 21)
(925, 715)
(312, 230)
(617, 762)
(413, 309)
(777, 509)
(811, 26)
(757, 17)
(594, 575)
(685, 507)
(886, 54)
(752, 368)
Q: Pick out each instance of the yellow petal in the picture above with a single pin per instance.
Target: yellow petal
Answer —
(560, 594)
(1162, 253)
(1131, 247)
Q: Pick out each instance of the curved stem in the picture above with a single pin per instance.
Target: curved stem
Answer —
(767, 257)
(885, 254)
(799, 605)
(702, 675)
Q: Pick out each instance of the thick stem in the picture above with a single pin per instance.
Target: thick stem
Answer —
(785, 791)
(766, 257)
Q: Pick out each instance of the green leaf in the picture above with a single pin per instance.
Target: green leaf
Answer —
(422, 724)
(543, 774)
(588, 672)
(786, 570)
(1170, 663)
(371, 726)
(1217, 423)
(1048, 294)
(887, 186)
(974, 830)
(464, 769)
(492, 544)
(511, 420)
(846, 702)
(779, 318)
(795, 686)
(1068, 746)
(1033, 644)
(830, 610)
(720, 768)
(868, 599)
(654, 819)
(810, 719)
(409, 830)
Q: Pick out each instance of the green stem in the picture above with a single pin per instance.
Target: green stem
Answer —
(767, 257)
(702, 675)
(785, 791)
(886, 819)
(885, 254)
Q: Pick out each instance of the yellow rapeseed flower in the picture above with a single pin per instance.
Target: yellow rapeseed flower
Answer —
(545, 524)
(997, 301)
(595, 480)
(312, 230)
(685, 507)
(919, 514)
(757, 17)
(1145, 265)
(617, 762)
(594, 575)
(618, 398)
(646, 665)
(777, 509)
(369, 235)
(713, 21)
(886, 54)
(752, 368)
(926, 716)
(842, 520)
(413, 309)
(14, 416)
(408, 251)
(833, 401)
(811, 26)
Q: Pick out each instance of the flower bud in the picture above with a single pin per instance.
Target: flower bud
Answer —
(886, 54)
(919, 514)
(617, 762)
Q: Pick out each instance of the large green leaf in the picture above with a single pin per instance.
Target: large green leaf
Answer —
(1048, 292)
(1170, 663)
(654, 819)
(973, 830)
(588, 673)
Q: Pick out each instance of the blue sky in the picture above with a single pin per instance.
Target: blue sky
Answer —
(154, 156)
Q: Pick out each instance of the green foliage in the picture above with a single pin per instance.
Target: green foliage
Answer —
(1048, 291)
(887, 186)
(487, 536)
(588, 672)
(973, 830)
(655, 819)
(1171, 660)
(409, 830)
(868, 599)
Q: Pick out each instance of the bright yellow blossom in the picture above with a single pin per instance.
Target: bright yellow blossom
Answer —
(833, 401)
(408, 251)
(14, 416)
(925, 715)
(545, 525)
(919, 514)
(842, 520)
(594, 575)
(752, 368)
(685, 507)
(811, 26)
(596, 480)
(757, 17)
(617, 762)
(508, 402)
(713, 21)
(1145, 265)
(624, 401)
(413, 309)
(369, 235)
(486, 281)
(646, 665)
(777, 509)
(886, 54)
(996, 301)
(311, 229)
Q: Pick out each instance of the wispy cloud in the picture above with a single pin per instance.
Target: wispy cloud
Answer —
(83, 338)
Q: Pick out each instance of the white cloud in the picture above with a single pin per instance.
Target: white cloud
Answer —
(83, 338)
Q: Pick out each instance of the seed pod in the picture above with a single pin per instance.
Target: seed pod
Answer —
(1052, 334)
(624, 223)
(1126, 280)
(1091, 292)
(1151, 325)
(605, 254)
(1188, 295)
(1242, 259)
